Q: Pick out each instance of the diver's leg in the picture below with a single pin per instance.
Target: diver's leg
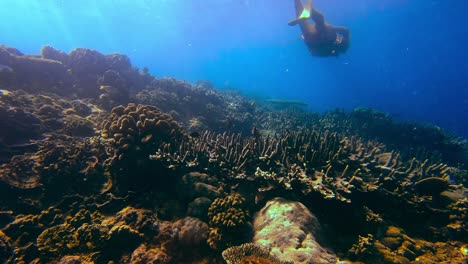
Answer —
(299, 7)
(318, 18)
(302, 12)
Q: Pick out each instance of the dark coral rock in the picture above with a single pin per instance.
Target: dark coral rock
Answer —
(196, 184)
(92, 237)
(50, 53)
(34, 74)
(124, 237)
(192, 232)
(81, 108)
(78, 126)
(138, 219)
(199, 208)
(431, 186)
(17, 126)
(57, 240)
(114, 89)
(143, 255)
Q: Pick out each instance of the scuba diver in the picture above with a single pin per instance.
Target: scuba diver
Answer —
(322, 39)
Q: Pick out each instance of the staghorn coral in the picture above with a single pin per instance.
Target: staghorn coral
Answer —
(228, 218)
(249, 254)
(5, 247)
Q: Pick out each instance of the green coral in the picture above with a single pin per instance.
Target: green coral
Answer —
(123, 236)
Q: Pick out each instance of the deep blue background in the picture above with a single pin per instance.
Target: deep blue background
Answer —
(407, 57)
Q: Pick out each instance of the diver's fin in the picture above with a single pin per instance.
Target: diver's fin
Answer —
(304, 15)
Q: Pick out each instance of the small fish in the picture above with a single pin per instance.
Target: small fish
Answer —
(255, 132)
(5, 68)
(4, 92)
(106, 88)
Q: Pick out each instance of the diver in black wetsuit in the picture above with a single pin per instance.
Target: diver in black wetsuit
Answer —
(321, 38)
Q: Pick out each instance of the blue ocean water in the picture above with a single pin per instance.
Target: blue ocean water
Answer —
(407, 57)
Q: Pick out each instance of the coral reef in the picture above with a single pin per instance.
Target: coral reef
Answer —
(103, 163)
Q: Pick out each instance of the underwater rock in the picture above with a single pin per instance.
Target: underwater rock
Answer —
(142, 220)
(196, 184)
(300, 232)
(192, 232)
(31, 73)
(143, 255)
(50, 53)
(18, 126)
(78, 126)
(431, 186)
(199, 208)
